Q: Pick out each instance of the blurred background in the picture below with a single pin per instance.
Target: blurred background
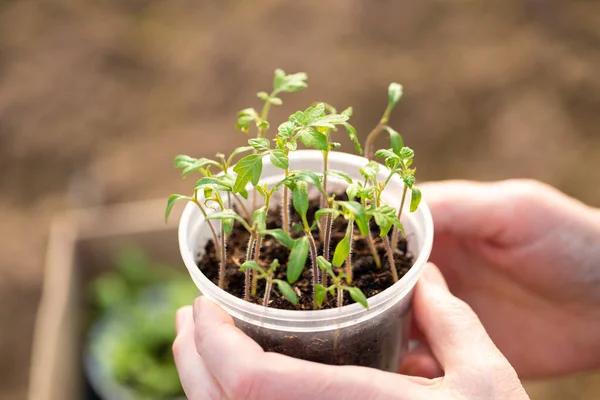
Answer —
(96, 97)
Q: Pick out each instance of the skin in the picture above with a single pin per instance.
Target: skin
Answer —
(526, 258)
(216, 360)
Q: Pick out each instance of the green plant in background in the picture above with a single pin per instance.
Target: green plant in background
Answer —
(134, 330)
(311, 127)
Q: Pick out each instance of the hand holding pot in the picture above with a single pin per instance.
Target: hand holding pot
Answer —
(527, 259)
(215, 360)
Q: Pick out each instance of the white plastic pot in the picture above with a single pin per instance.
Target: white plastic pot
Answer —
(377, 337)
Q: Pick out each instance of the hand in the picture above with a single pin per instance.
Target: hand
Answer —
(215, 360)
(526, 258)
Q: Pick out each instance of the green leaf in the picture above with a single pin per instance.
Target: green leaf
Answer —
(324, 265)
(352, 190)
(395, 139)
(291, 146)
(341, 251)
(259, 217)
(353, 136)
(297, 259)
(347, 112)
(248, 169)
(320, 294)
(370, 170)
(329, 121)
(385, 217)
(279, 159)
(415, 199)
(387, 155)
(300, 198)
(359, 214)
(406, 153)
(228, 214)
(237, 151)
(227, 225)
(274, 265)
(213, 183)
(324, 211)
(313, 138)
(245, 117)
(308, 177)
(394, 93)
(260, 144)
(281, 236)
(358, 296)
(264, 96)
(339, 174)
(276, 101)
(409, 180)
(171, 202)
(283, 82)
(249, 265)
(312, 114)
(287, 129)
(287, 291)
(190, 164)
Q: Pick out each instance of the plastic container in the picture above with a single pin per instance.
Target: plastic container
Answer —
(350, 335)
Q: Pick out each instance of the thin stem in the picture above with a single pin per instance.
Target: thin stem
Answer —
(315, 268)
(326, 245)
(285, 209)
(373, 251)
(323, 203)
(395, 232)
(243, 206)
(340, 296)
(257, 245)
(375, 132)
(390, 255)
(210, 225)
(247, 273)
(223, 259)
(349, 257)
(268, 291)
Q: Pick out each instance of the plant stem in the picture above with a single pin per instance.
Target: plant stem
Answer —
(349, 258)
(340, 296)
(247, 273)
(211, 226)
(223, 259)
(390, 255)
(257, 245)
(243, 206)
(395, 232)
(373, 251)
(375, 132)
(285, 209)
(323, 202)
(267, 291)
(326, 245)
(315, 268)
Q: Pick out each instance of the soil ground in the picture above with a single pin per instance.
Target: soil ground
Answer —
(97, 97)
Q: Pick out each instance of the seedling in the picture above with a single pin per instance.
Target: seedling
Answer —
(216, 195)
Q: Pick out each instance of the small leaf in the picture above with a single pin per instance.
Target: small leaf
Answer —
(329, 121)
(323, 264)
(264, 125)
(283, 82)
(249, 265)
(359, 214)
(214, 183)
(300, 198)
(341, 251)
(320, 294)
(279, 159)
(287, 129)
(276, 101)
(339, 174)
(324, 211)
(264, 96)
(281, 236)
(415, 199)
(353, 136)
(385, 217)
(274, 265)
(394, 93)
(347, 112)
(291, 145)
(248, 169)
(387, 155)
(395, 139)
(227, 224)
(171, 202)
(259, 217)
(358, 296)
(228, 214)
(352, 190)
(406, 153)
(297, 259)
(259, 144)
(370, 170)
(190, 164)
(309, 177)
(313, 138)
(245, 117)
(237, 151)
(409, 180)
(287, 291)
(312, 114)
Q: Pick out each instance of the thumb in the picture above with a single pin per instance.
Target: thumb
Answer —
(452, 329)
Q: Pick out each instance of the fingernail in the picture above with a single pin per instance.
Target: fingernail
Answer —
(432, 275)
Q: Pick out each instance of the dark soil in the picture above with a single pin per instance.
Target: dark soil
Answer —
(366, 275)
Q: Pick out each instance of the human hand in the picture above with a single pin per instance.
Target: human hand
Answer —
(216, 360)
(526, 258)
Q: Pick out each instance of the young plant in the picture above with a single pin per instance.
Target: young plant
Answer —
(284, 288)
(337, 288)
(394, 95)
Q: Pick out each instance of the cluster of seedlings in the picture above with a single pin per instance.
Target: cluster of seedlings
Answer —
(229, 191)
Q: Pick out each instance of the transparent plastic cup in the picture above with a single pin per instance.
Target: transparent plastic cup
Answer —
(349, 335)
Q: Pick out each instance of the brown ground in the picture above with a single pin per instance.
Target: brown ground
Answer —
(104, 93)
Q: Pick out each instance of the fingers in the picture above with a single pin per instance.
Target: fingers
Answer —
(245, 372)
(421, 362)
(196, 380)
(455, 334)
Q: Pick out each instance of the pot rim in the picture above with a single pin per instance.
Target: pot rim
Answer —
(252, 313)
